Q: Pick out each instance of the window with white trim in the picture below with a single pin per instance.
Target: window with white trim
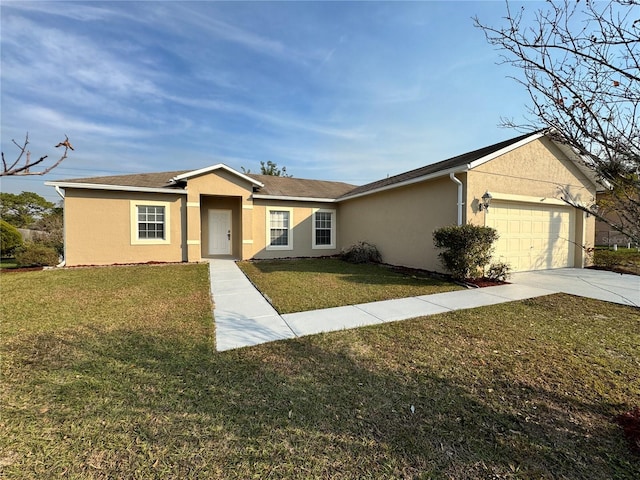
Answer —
(149, 222)
(324, 229)
(279, 233)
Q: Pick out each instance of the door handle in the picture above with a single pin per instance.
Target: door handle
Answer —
(229, 234)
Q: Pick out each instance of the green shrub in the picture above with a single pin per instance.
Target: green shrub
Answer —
(50, 239)
(607, 259)
(361, 252)
(36, 255)
(499, 271)
(10, 239)
(468, 249)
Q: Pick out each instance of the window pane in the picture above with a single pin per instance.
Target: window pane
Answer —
(279, 228)
(323, 220)
(323, 237)
(150, 222)
(279, 237)
(323, 228)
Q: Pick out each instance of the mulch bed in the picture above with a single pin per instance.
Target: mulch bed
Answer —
(484, 282)
(630, 422)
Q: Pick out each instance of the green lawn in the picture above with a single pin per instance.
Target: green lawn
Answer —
(309, 284)
(111, 373)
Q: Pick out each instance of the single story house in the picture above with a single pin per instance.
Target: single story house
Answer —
(187, 215)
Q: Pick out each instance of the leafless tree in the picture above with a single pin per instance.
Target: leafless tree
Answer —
(580, 64)
(18, 168)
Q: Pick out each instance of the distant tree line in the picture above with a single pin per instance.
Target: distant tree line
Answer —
(28, 210)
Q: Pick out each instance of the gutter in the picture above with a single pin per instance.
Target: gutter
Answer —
(121, 188)
(293, 199)
(453, 178)
(64, 230)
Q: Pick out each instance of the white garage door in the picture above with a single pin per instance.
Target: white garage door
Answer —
(532, 237)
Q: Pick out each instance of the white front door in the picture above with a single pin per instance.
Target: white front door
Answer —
(219, 232)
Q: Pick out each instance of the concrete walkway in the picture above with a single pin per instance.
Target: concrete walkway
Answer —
(243, 317)
(585, 282)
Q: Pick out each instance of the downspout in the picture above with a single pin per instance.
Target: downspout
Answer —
(64, 236)
(452, 176)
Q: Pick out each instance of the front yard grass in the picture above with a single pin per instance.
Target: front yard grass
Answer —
(308, 284)
(111, 373)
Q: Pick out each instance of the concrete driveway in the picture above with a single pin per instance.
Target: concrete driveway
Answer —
(584, 282)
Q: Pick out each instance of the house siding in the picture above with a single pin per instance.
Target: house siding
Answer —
(536, 170)
(301, 229)
(400, 221)
(98, 228)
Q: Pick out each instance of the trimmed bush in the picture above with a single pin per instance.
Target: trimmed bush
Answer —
(499, 271)
(10, 239)
(36, 255)
(361, 252)
(468, 249)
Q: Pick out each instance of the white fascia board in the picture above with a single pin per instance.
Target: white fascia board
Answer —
(293, 199)
(119, 188)
(217, 167)
(491, 156)
(424, 178)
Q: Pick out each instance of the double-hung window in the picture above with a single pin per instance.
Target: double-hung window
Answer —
(149, 222)
(324, 229)
(279, 232)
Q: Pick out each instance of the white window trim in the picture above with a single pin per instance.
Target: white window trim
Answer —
(134, 204)
(314, 246)
(289, 246)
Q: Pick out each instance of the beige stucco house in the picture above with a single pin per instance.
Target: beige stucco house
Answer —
(183, 216)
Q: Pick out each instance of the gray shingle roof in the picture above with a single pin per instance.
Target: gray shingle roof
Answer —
(306, 188)
(300, 187)
(147, 180)
(458, 161)
(275, 186)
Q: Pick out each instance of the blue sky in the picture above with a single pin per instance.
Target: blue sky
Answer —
(332, 90)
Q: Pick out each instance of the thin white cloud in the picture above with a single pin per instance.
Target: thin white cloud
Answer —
(288, 122)
(70, 10)
(208, 23)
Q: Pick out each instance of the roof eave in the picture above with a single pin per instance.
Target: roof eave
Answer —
(212, 168)
(120, 188)
(507, 149)
(293, 199)
(423, 178)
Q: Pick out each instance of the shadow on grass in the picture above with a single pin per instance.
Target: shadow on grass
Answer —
(130, 403)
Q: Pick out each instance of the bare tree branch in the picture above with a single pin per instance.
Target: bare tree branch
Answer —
(24, 170)
(580, 64)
